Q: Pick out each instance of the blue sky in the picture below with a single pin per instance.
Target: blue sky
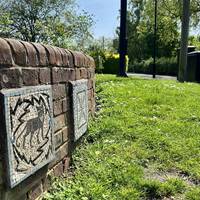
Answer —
(105, 15)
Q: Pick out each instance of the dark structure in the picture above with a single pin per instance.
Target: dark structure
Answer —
(123, 39)
(193, 67)
(155, 40)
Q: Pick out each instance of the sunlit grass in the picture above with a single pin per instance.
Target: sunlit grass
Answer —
(143, 144)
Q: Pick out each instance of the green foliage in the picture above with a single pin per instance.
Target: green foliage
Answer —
(141, 31)
(193, 194)
(111, 64)
(195, 41)
(159, 190)
(164, 66)
(55, 22)
(144, 142)
(97, 50)
(141, 27)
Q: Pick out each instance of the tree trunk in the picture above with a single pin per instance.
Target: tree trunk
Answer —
(184, 40)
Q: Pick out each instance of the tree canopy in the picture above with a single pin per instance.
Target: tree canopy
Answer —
(141, 27)
(54, 21)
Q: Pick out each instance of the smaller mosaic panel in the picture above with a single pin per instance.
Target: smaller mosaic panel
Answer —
(29, 131)
(80, 107)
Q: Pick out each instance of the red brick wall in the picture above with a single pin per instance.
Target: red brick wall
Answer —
(31, 64)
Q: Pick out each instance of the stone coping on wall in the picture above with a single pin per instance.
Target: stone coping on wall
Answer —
(15, 53)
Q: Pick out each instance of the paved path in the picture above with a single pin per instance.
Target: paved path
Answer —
(149, 76)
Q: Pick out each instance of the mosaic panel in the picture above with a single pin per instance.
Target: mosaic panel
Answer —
(29, 130)
(80, 107)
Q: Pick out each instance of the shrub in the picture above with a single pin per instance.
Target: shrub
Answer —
(99, 57)
(164, 66)
(111, 64)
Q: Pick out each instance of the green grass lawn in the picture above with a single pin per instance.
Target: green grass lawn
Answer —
(143, 144)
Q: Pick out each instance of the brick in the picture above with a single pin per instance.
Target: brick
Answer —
(71, 58)
(35, 192)
(59, 91)
(10, 78)
(30, 77)
(50, 55)
(60, 122)
(58, 139)
(32, 59)
(65, 105)
(6, 54)
(65, 57)
(90, 61)
(90, 94)
(83, 73)
(90, 84)
(57, 107)
(59, 75)
(63, 75)
(47, 181)
(90, 105)
(58, 169)
(19, 52)
(61, 106)
(65, 134)
(42, 55)
(66, 164)
(90, 73)
(20, 190)
(56, 75)
(45, 75)
(79, 59)
(59, 59)
(78, 73)
(71, 75)
(61, 152)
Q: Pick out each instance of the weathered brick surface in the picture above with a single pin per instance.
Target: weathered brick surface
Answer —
(32, 59)
(61, 153)
(30, 77)
(65, 134)
(57, 107)
(10, 78)
(60, 122)
(91, 84)
(19, 52)
(42, 55)
(31, 64)
(58, 169)
(50, 55)
(58, 139)
(66, 164)
(36, 191)
(59, 91)
(6, 58)
(45, 75)
(65, 105)
(47, 180)
(60, 75)
(77, 74)
(65, 57)
(84, 74)
(58, 55)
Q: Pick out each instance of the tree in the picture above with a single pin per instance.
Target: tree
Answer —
(140, 27)
(53, 21)
(184, 40)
